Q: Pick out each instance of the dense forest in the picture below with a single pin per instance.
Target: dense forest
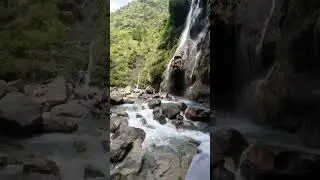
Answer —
(40, 39)
(143, 38)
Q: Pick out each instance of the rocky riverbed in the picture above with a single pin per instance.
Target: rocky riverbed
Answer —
(241, 150)
(52, 131)
(155, 135)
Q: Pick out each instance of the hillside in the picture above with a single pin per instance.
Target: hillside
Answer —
(40, 39)
(143, 35)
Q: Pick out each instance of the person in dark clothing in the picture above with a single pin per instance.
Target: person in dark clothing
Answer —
(78, 79)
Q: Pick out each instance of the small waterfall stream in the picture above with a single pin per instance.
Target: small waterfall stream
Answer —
(138, 81)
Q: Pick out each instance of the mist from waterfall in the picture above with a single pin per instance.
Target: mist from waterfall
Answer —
(189, 47)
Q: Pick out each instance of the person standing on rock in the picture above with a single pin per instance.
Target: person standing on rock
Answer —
(78, 79)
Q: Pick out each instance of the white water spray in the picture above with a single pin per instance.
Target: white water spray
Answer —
(157, 134)
(137, 85)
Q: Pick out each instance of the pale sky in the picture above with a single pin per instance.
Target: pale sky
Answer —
(116, 4)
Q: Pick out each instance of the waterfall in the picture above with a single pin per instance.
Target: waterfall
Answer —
(137, 85)
(188, 51)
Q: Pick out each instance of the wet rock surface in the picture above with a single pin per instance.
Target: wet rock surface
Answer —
(197, 114)
(20, 114)
(56, 132)
(231, 153)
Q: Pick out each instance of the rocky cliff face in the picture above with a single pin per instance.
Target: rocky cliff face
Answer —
(188, 71)
(265, 58)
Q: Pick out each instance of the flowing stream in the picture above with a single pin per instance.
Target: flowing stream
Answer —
(157, 134)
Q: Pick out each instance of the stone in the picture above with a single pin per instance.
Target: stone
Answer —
(56, 92)
(20, 114)
(179, 117)
(128, 100)
(127, 90)
(119, 148)
(143, 121)
(158, 116)
(227, 142)
(53, 123)
(197, 114)
(41, 166)
(71, 109)
(134, 160)
(178, 124)
(171, 110)
(116, 98)
(91, 171)
(116, 122)
(150, 90)
(154, 103)
(131, 133)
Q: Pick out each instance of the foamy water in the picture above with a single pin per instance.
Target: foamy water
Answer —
(157, 134)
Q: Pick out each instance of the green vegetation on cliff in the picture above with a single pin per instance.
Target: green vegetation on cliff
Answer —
(36, 41)
(143, 35)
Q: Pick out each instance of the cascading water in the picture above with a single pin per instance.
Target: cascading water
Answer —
(137, 85)
(157, 134)
(188, 52)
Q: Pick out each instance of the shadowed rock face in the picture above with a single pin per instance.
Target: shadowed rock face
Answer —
(190, 64)
(259, 161)
(177, 84)
(269, 51)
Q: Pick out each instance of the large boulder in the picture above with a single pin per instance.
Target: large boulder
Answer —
(128, 100)
(133, 162)
(116, 98)
(157, 115)
(171, 110)
(18, 85)
(163, 162)
(49, 94)
(127, 90)
(227, 142)
(263, 161)
(54, 123)
(168, 163)
(154, 103)
(72, 109)
(150, 90)
(197, 114)
(19, 114)
(129, 133)
(119, 148)
(116, 122)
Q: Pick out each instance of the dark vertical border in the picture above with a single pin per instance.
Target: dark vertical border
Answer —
(104, 11)
(210, 80)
